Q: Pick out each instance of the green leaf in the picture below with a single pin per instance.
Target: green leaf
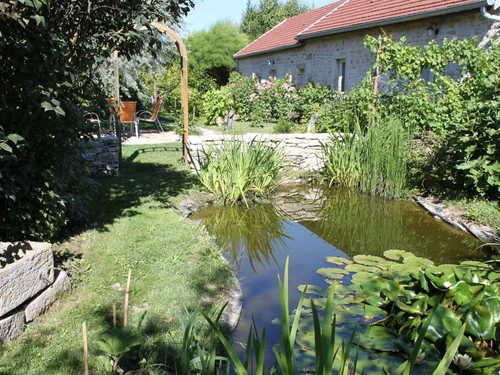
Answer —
(480, 323)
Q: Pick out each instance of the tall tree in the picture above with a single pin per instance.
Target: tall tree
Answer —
(212, 50)
(260, 18)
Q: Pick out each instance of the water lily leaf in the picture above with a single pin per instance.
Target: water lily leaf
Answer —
(493, 306)
(395, 254)
(492, 276)
(377, 338)
(340, 261)
(418, 262)
(373, 312)
(487, 362)
(480, 323)
(313, 289)
(372, 260)
(361, 278)
(442, 322)
(355, 267)
(332, 273)
(376, 300)
(460, 291)
(409, 309)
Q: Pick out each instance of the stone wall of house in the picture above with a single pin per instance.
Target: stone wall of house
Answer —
(316, 61)
(103, 154)
(303, 151)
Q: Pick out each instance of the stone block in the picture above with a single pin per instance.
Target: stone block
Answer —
(11, 327)
(23, 279)
(47, 297)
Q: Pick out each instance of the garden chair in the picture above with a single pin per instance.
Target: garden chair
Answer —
(92, 118)
(127, 115)
(152, 116)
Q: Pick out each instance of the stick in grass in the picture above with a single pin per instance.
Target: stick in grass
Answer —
(85, 350)
(125, 312)
(114, 313)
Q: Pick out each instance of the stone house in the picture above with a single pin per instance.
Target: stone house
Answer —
(325, 45)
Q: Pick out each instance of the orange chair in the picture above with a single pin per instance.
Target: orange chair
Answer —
(127, 115)
(152, 116)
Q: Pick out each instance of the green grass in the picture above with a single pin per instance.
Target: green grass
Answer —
(133, 222)
(479, 210)
(239, 127)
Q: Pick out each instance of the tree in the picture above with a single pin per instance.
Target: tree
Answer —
(49, 52)
(212, 51)
(260, 18)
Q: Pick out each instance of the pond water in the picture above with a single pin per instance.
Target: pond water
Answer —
(307, 224)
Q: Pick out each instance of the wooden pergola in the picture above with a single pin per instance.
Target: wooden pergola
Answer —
(184, 85)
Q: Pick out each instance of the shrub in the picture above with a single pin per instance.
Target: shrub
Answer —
(283, 126)
(217, 103)
(241, 89)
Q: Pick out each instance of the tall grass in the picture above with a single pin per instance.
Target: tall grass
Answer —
(235, 171)
(372, 161)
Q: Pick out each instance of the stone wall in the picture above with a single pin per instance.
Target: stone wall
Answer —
(303, 151)
(27, 286)
(103, 154)
(315, 61)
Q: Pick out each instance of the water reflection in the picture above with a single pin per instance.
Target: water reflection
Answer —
(347, 220)
(361, 224)
(256, 232)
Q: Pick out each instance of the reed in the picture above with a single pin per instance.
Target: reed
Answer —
(236, 171)
(372, 161)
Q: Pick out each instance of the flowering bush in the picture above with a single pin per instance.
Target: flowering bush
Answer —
(273, 99)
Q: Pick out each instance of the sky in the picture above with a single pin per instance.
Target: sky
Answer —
(207, 12)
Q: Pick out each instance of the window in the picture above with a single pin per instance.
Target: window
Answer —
(339, 76)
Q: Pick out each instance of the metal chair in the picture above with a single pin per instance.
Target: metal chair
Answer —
(93, 118)
(127, 115)
(152, 116)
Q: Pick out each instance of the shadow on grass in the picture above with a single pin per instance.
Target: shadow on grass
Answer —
(149, 172)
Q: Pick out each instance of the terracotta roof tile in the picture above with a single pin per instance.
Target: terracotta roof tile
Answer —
(345, 15)
(358, 13)
(283, 35)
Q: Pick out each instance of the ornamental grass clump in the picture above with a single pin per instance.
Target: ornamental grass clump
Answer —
(373, 161)
(235, 171)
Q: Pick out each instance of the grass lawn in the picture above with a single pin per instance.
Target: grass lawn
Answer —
(239, 127)
(132, 222)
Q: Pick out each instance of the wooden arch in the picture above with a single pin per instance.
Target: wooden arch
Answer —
(184, 84)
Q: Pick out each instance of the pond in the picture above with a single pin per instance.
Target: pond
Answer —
(307, 224)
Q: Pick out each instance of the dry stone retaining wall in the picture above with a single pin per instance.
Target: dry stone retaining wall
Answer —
(103, 154)
(27, 286)
(304, 151)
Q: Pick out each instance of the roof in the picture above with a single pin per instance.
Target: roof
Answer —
(282, 36)
(348, 15)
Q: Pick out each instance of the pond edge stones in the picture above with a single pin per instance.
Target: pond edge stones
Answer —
(27, 286)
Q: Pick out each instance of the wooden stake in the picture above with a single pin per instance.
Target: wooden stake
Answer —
(125, 312)
(85, 350)
(114, 313)
(377, 78)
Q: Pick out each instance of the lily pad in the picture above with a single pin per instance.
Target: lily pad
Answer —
(480, 323)
(340, 261)
(396, 254)
(377, 338)
(372, 260)
(332, 273)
